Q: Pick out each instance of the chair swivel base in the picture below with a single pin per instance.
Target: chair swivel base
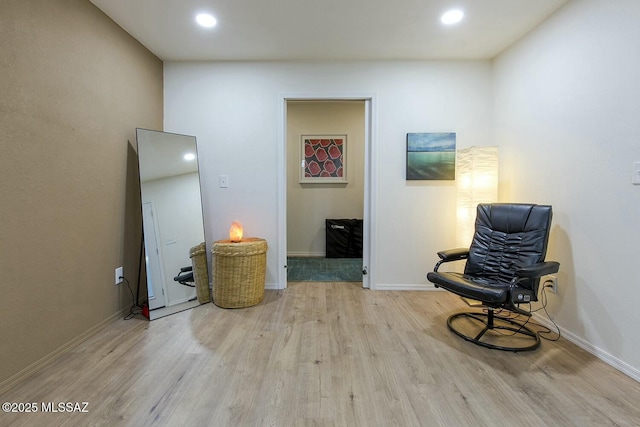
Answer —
(488, 323)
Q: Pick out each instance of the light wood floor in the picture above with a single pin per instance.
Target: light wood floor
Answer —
(322, 354)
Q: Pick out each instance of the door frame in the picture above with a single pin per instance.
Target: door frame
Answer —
(370, 188)
(152, 249)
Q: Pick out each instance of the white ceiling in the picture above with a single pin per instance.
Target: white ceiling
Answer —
(327, 29)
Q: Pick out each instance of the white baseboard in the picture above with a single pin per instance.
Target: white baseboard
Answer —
(607, 358)
(401, 287)
(306, 254)
(182, 300)
(65, 348)
(272, 287)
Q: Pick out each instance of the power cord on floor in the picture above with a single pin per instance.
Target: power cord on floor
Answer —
(510, 316)
(544, 301)
(135, 307)
(516, 316)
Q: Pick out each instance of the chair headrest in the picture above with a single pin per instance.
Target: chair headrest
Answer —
(514, 217)
(508, 237)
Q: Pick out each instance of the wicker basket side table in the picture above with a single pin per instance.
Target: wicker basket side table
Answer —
(198, 255)
(239, 270)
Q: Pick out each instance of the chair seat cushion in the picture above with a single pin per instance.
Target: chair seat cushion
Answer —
(488, 291)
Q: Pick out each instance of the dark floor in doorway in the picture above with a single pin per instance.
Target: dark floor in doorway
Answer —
(314, 269)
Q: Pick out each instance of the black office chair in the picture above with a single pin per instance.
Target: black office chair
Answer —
(503, 269)
(185, 277)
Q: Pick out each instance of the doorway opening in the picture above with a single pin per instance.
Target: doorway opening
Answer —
(314, 210)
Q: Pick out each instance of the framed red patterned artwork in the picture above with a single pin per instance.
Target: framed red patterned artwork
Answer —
(323, 159)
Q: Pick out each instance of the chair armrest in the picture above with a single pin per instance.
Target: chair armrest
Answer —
(189, 268)
(454, 254)
(538, 270)
(451, 255)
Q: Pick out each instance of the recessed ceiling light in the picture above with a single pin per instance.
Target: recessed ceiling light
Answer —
(452, 16)
(206, 20)
(189, 157)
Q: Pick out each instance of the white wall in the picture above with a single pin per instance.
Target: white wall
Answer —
(233, 110)
(567, 119)
(308, 205)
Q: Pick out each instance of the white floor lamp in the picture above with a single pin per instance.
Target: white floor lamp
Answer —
(476, 182)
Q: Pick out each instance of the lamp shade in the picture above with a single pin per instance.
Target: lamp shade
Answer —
(476, 182)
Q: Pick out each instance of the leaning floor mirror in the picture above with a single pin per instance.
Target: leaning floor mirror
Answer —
(172, 220)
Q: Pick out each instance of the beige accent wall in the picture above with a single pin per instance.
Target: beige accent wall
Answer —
(308, 205)
(73, 88)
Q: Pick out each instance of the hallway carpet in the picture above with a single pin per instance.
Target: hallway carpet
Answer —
(315, 269)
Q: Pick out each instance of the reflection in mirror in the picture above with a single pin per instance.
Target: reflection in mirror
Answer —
(171, 216)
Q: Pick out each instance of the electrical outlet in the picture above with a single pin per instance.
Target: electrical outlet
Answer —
(551, 283)
(119, 275)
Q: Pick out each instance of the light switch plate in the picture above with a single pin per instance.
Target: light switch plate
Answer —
(224, 181)
(636, 173)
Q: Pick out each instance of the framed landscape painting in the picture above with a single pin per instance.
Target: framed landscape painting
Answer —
(431, 156)
(323, 159)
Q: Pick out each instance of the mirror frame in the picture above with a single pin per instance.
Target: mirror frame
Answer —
(152, 167)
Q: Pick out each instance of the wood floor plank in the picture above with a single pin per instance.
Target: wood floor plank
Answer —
(322, 354)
